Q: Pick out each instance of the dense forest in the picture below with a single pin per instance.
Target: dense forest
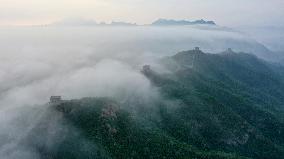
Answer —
(211, 106)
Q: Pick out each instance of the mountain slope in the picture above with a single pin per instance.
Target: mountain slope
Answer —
(226, 105)
(104, 123)
(230, 101)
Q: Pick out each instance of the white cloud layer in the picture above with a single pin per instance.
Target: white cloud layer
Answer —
(36, 63)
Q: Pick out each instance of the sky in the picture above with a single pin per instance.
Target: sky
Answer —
(224, 12)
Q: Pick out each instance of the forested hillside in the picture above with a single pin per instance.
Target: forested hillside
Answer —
(228, 105)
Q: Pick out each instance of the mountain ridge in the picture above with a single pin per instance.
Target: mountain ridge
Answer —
(168, 22)
(159, 22)
(216, 108)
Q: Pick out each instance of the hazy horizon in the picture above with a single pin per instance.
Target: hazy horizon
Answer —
(37, 12)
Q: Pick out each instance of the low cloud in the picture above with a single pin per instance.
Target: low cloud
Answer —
(36, 63)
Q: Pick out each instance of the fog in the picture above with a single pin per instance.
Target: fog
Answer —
(77, 62)
(271, 36)
(65, 59)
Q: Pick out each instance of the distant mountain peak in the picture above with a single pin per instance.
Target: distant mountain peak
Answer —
(164, 22)
(159, 22)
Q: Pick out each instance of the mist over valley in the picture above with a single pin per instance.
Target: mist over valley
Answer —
(152, 91)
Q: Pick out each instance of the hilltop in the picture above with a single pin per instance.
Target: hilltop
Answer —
(212, 106)
(168, 22)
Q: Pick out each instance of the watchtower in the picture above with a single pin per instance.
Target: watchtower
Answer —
(55, 99)
(146, 69)
(230, 50)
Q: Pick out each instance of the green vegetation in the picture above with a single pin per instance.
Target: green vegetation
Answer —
(213, 106)
(117, 132)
